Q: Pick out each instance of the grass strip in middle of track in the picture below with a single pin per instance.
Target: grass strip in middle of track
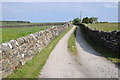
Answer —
(71, 42)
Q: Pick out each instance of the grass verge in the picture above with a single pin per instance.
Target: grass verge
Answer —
(33, 67)
(114, 57)
(71, 42)
(104, 26)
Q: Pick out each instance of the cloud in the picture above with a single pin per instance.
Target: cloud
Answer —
(53, 11)
(111, 5)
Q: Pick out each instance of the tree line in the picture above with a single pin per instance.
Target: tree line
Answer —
(85, 20)
(15, 21)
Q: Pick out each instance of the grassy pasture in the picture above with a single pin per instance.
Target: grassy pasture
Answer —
(16, 32)
(105, 26)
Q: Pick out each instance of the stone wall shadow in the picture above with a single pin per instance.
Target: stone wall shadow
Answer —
(84, 45)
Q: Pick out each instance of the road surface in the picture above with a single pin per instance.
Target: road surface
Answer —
(87, 64)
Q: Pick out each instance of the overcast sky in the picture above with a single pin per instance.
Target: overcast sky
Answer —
(59, 11)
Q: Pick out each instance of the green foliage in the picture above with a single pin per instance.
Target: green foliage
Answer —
(85, 20)
(89, 20)
(103, 22)
(76, 20)
(93, 19)
(33, 67)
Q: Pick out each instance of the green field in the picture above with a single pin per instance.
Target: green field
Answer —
(104, 26)
(13, 33)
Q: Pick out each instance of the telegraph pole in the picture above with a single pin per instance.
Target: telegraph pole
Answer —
(81, 16)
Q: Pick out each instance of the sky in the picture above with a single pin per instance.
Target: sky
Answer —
(60, 0)
(58, 11)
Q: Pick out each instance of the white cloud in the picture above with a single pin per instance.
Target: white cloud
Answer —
(111, 5)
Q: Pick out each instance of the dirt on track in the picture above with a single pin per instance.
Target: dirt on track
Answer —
(87, 64)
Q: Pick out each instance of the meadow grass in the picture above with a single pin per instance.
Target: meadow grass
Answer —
(72, 42)
(16, 32)
(104, 26)
(114, 57)
(33, 67)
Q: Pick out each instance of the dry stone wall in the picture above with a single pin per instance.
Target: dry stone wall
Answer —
(41, 24)
(16, 53)
(109, 40)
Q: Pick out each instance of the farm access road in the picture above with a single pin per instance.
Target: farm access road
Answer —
(86, 64)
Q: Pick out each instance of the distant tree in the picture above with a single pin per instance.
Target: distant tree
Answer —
(94, 19)
(28, 21)
(85, 20)
(91, 20)
(76, 20)
(70, 21)
(96, 22)
(104, 22)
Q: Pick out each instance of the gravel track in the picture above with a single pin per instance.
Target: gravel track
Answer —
(87, 64)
